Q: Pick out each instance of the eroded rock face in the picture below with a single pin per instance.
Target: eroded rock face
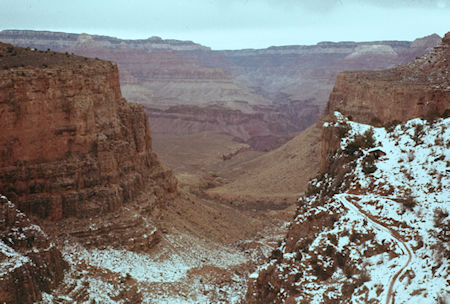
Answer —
(29, 262)
(287, 87)
(417, 89)
(70, 143)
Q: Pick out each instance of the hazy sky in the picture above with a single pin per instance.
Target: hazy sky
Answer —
(233, 24)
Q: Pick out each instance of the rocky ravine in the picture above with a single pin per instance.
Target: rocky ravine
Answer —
(70, 144)
(261, 97)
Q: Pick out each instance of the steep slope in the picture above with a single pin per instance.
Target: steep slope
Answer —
(70, 144)
(374, 227)
(280, 173)
(29, 262)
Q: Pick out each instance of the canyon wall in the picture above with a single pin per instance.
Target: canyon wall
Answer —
(285, 88)
(413, 90)
(418, 89)
(29, 262)
(70, 143)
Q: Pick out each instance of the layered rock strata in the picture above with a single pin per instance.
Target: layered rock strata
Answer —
(286, 87)
(417, 89)
(29, 262)
(70, 143)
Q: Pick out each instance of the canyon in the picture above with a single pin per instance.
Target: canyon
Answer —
(260, 97)
(226, 223)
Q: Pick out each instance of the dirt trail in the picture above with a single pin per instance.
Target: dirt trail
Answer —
(377, 224)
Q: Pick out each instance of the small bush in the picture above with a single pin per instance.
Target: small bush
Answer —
(409, 202)
(446, 113)
(411, 156)
(360, 142)
(431, 116)
(343, 130)
(375, 121)
(368, 165)
(418, 132)
(276, 255)
(363, 277)
(390, 126)
(439, 216)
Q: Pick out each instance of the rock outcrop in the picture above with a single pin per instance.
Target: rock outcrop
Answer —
(29, 262)
(70, 143)
(417, 89)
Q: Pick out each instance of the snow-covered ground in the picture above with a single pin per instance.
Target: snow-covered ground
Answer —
(391, 225)
(416, 166)
(182, 270)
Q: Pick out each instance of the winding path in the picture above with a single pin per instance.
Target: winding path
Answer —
(395, 236)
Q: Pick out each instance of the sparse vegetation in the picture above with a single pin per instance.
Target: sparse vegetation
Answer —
(360, 142)
(390, 126)
(418, 132)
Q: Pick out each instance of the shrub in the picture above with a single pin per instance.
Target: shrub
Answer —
(343, 130)
(363, 277)
(368, 165)
(390, 126)
(276, 255)
(375, 121)
(411, 156)
(439, 216)
(418, 132)
(431, 116)
(446, 113)
(409, 202)
(364, 141)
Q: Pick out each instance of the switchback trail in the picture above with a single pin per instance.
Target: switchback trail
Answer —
(380, 226)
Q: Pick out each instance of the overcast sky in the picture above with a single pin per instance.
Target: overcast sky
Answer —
(234, 24)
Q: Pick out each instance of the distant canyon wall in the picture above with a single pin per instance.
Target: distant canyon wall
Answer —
(172, 77)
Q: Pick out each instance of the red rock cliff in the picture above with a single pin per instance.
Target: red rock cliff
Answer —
(419, 88)
(70, 145)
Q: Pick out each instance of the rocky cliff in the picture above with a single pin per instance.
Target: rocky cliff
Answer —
(287, 87)
(70, 143)
(413, 90)
(29, 262)
(418, 89)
